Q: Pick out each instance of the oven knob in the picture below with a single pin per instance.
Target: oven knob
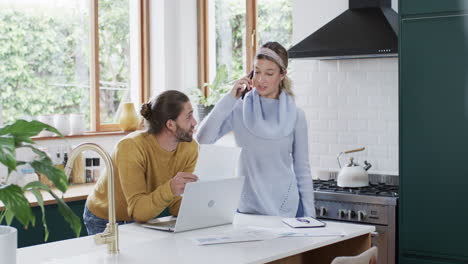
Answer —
(323, 211)
(341, 213)
(361, 215)
(351, 214)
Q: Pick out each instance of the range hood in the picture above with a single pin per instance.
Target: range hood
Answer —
(369, 28)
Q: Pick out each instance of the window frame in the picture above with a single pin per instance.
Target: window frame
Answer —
(203, 40)
(144, 60)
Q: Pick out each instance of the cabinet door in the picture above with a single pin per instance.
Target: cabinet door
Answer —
(433, 215)
(414, 7)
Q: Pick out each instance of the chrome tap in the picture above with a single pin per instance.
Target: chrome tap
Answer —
(110, 236)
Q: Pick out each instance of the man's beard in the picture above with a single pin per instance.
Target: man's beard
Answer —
(183, 135)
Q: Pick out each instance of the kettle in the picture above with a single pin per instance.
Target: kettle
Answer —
(353, 175)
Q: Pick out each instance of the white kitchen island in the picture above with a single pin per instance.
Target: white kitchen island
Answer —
(142, 245)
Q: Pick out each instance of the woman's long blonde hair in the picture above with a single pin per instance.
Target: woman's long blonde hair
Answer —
(285, 84)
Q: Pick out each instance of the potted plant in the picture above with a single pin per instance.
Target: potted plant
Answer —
(216, 90)
(18, 135)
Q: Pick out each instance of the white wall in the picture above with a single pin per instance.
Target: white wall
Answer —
(173, 45)
(348, 103)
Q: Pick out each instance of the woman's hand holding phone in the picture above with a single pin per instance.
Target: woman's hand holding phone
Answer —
(242, 86)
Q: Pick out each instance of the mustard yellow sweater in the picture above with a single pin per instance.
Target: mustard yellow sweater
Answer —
(143, 171)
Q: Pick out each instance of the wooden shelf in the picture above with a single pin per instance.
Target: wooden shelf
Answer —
(75, 192)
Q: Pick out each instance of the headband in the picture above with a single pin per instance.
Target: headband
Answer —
(273, 55)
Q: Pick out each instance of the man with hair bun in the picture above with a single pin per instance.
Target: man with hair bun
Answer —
(151, 167)
(272, 132)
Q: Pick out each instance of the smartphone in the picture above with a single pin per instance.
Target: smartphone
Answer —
(246, 89)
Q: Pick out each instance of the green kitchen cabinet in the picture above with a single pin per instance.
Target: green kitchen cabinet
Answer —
(433, 203)
(415, 7)
(59, 229)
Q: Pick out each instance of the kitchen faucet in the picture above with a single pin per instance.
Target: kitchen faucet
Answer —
(110, 236)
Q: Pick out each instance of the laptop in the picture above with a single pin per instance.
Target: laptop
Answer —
(205, 204)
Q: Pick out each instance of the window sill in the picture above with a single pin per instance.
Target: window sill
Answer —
(87, 134)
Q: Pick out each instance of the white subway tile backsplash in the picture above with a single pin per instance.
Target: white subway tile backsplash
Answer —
(368, 115)
(318, 101)
(302, 100)
(369, 65)
(345, 89)
(347, 138)
(328, 115)
(336, 102)
(357, 125)
(357, 102)
(375, 76)
(347, 115)
(328, 90)
(377, 125)
(378, 151)
(388, 89)
(311, 114)
(356, 77)
(336, 77)
(314, 160)
(301, 76)
(319, 147)
(348, 65)
(304, 65)
(368, 139)
(388, 139)
(328, 138)
(319, 77)
(388, 115)
(388, 64)
(319, 125)
(338, 125)
(369, 88)
(378, 101)
(349, 104)
(328, 65)
(328, 162)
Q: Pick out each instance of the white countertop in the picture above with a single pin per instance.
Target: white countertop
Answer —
(142, 245)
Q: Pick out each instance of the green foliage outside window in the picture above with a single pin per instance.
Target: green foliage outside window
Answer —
(44, 60)
(274, 23)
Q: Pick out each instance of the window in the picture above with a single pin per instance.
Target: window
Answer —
(53, 51)
(229, 30)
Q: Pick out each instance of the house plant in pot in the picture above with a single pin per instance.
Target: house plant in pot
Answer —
(12, 137)
(216, 90)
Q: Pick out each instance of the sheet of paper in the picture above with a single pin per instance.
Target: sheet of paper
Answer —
(303, 222)
(216, 162)
(236, 235)
(295, 232)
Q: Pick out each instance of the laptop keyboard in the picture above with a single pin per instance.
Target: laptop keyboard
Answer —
(170, 223)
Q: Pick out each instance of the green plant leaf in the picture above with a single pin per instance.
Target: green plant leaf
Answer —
(68, 215)
(16, 203)
(44, 166)
(23, 130)
(35, 188)
(8, 152)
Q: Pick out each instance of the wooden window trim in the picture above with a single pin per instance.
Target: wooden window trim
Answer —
(203, 54)
(203, 40)
(251, 33)
(144, 40)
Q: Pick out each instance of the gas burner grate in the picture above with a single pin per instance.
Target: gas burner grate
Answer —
(379, 189)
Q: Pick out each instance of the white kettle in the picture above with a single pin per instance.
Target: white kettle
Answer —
(353, 175)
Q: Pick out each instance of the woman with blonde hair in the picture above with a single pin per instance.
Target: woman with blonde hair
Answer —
(272, 132)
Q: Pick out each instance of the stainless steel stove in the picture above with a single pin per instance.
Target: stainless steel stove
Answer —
(374, 205)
